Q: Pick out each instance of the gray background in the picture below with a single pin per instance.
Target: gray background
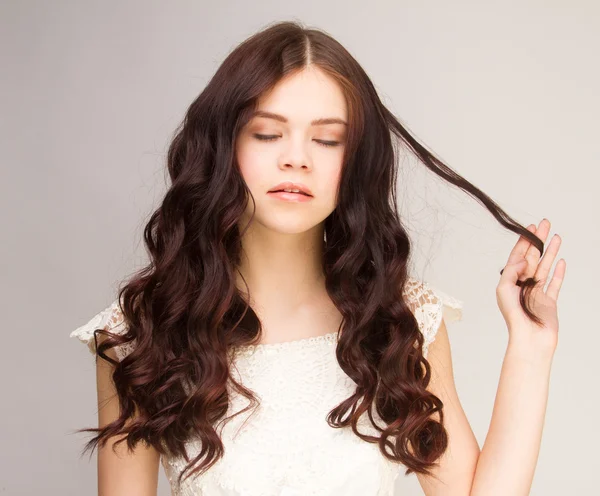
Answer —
(505, 92)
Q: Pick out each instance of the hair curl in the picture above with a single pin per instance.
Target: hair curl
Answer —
(184, 311)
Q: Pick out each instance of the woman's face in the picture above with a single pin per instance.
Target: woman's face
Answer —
(296, 150)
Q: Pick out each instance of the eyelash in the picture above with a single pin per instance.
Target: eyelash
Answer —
(263, 137)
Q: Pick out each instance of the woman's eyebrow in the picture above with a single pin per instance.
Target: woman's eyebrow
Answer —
(317, 122)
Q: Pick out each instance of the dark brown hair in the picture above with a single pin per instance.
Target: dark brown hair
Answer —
(185, 313)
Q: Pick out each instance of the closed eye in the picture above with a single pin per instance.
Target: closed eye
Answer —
(264, 137)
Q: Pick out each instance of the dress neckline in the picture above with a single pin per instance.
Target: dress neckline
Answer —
(330, 337)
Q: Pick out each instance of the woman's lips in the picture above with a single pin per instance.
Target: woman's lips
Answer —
(291, 197)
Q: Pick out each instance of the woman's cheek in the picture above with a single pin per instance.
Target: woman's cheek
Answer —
(333, 180)
(250, 168)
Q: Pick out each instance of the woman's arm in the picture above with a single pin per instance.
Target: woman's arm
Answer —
(121, 473)
(455, 469)
(508, 458)
(509, 455)
(506, 463)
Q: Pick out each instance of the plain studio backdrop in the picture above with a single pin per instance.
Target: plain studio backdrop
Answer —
(504, 92)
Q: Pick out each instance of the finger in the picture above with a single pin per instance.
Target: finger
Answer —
(557, 279)
(545, 265)
(510, 273)
(533, 255)
(520, 248)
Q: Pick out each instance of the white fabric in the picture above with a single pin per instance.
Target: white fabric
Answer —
(285, 447)
(110, 318)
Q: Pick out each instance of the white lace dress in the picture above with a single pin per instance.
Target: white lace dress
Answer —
(286, 447)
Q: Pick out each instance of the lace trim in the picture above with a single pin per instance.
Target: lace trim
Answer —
(110, 319)
(430, 305)
(329, 338)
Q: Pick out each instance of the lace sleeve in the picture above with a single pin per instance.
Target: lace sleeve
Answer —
(430, 305)
(110, 319)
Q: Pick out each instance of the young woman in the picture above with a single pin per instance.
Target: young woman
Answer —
(276, 344)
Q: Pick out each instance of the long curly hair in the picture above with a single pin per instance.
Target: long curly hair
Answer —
(185, 313)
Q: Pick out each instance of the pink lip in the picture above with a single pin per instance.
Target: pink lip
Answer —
(291, 197)
(291, 185)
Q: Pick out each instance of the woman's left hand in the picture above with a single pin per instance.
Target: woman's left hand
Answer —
(524, 262)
